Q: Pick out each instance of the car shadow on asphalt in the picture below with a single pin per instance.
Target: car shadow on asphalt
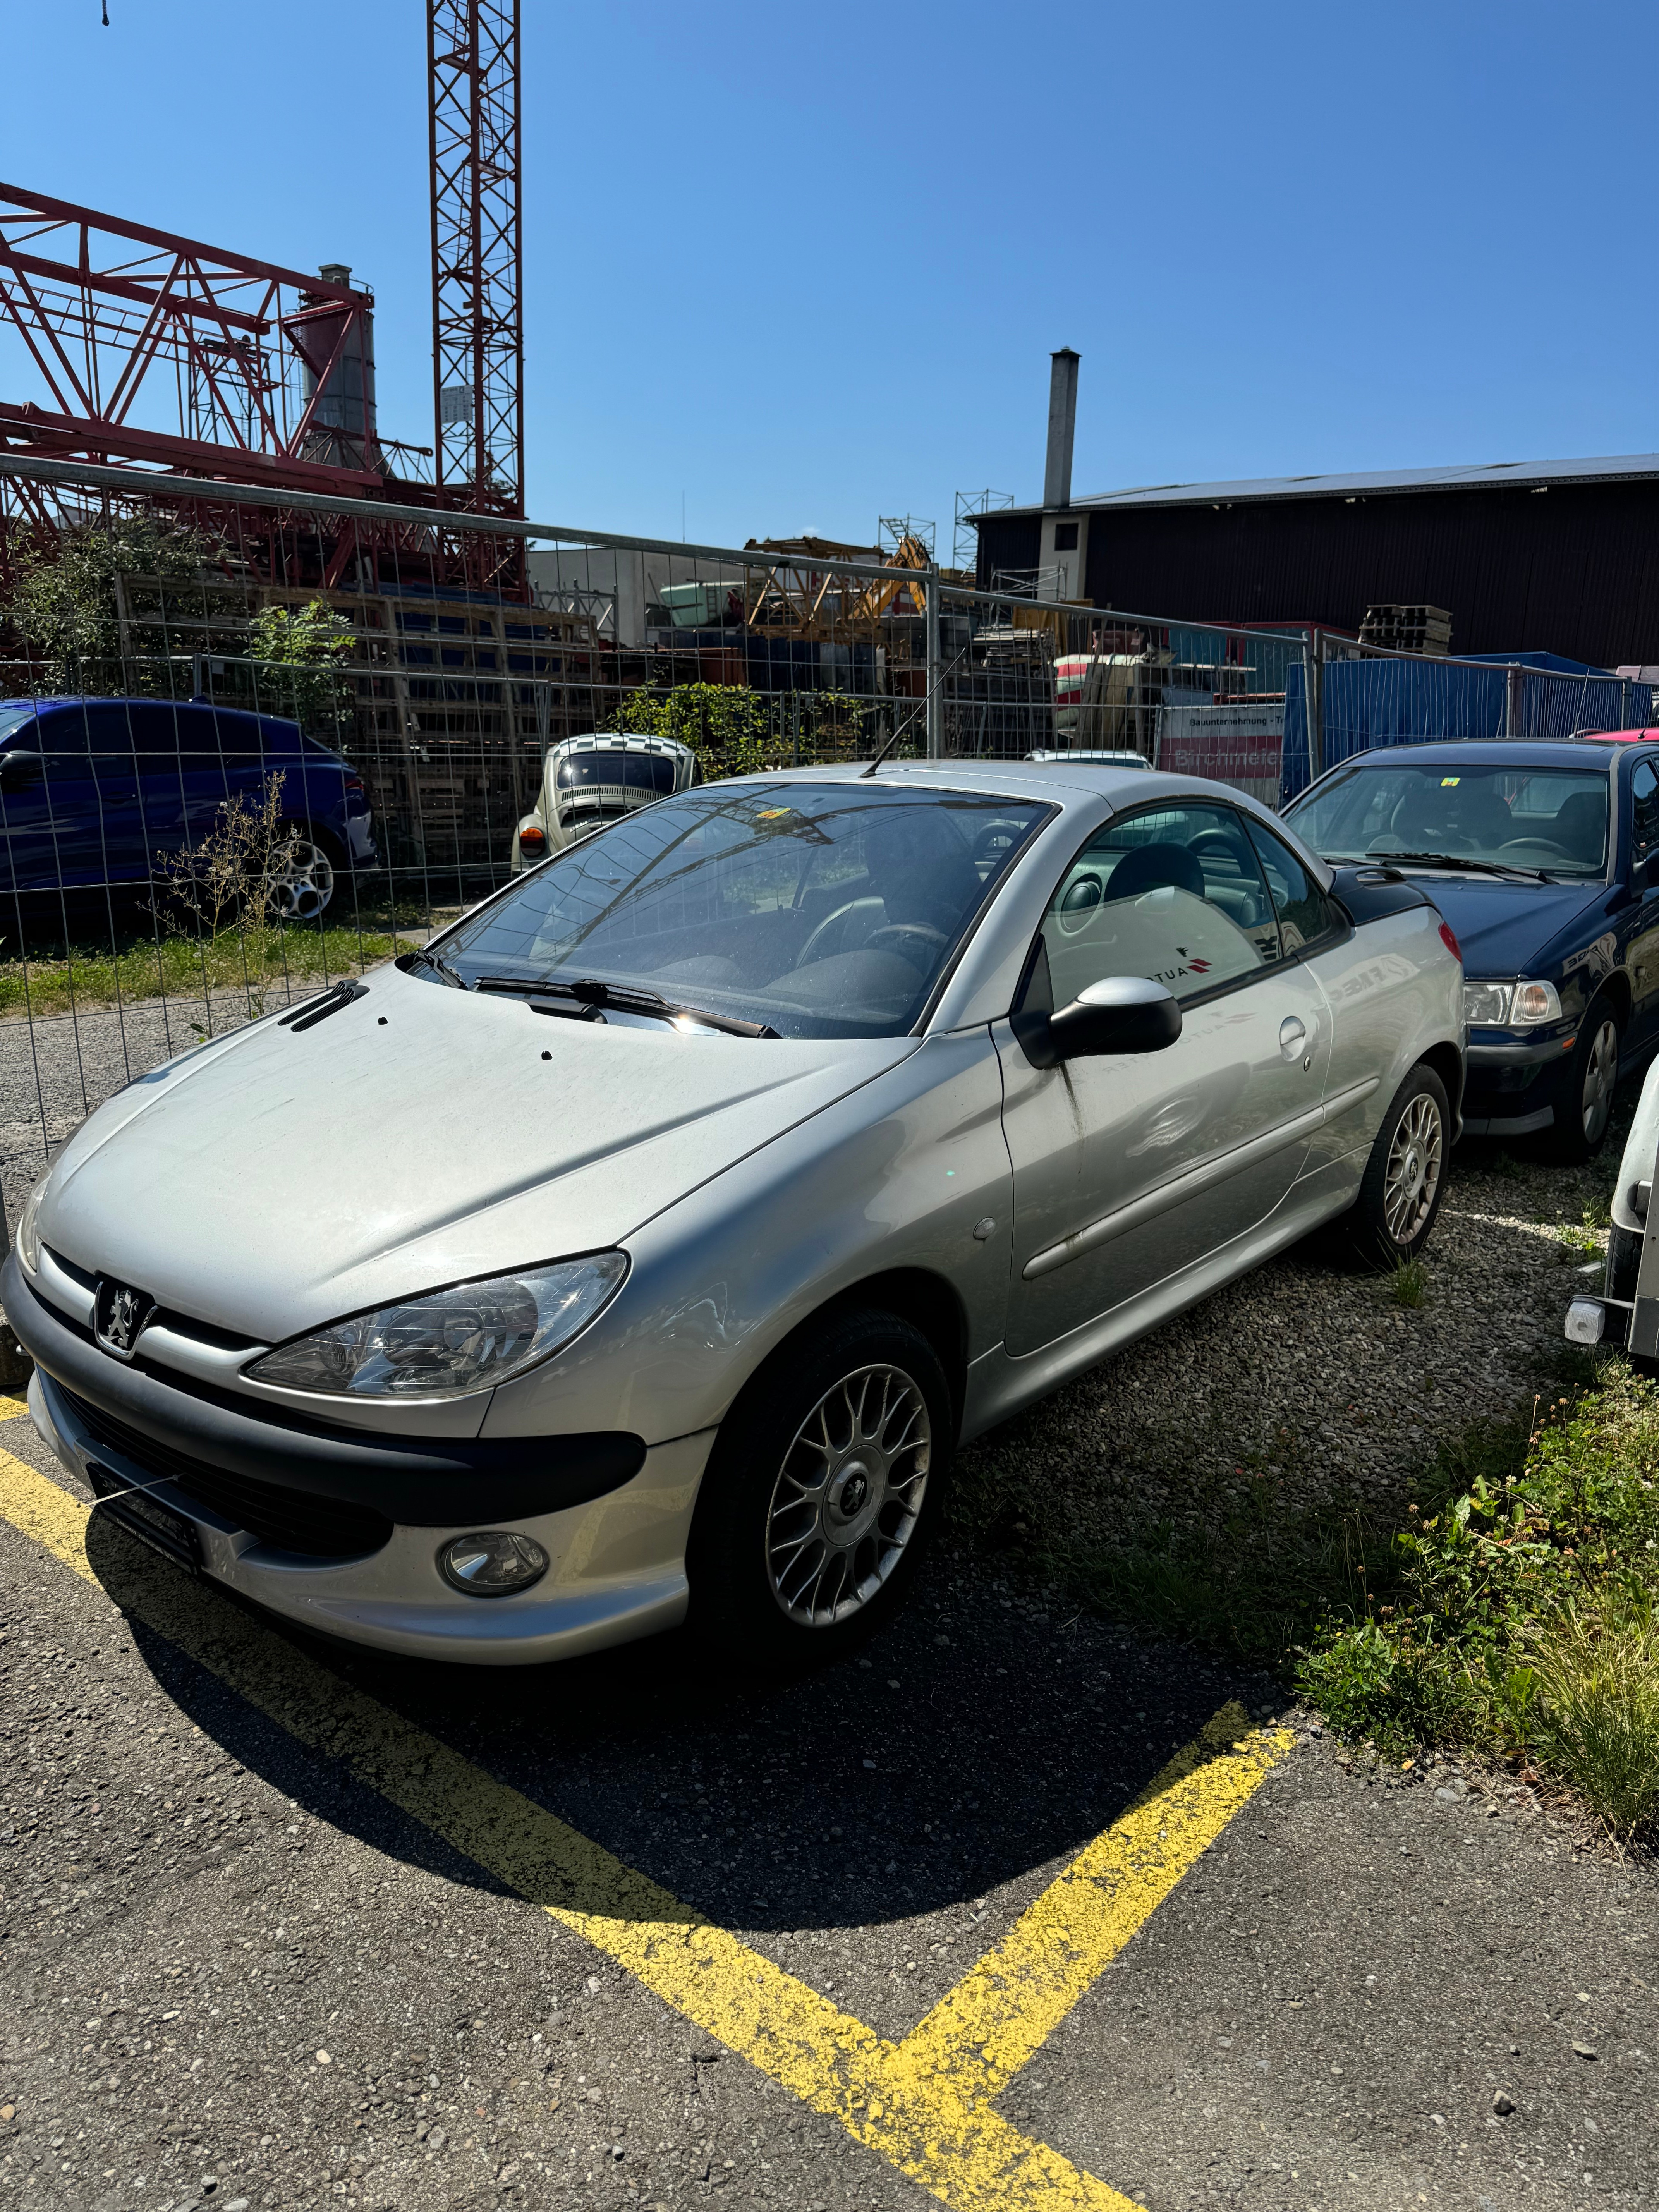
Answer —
(974, 1744)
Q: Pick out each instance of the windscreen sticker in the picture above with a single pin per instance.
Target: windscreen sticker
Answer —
(1446, 781)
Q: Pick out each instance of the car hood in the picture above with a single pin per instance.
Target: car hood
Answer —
(421, 1135)
(1503, 926)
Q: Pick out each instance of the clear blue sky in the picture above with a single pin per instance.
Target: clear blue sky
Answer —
(803, 266)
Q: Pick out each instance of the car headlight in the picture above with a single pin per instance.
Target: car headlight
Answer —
(1511, 1006)
(28, 1226)
(445, 1343)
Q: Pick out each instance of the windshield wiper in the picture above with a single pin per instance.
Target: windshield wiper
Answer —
(588, 991)
(424, 957)
(1458, 860)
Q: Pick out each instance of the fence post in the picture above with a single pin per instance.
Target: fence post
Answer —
(935, 699)
(1313, 687)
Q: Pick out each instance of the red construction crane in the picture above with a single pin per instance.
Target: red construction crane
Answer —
(477, 320)
(180, 360)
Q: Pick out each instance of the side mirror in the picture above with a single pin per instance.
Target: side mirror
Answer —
(1119, 1014)
(19, 768)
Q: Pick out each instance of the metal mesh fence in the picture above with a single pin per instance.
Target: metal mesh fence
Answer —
(250, 743)
(1365, 699)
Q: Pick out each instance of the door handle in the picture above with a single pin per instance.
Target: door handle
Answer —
(1292, 1034)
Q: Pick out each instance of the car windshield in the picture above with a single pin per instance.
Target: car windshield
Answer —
(816, 910)
(1550, 821)
(12, 719)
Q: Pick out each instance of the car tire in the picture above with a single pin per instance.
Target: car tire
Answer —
(1583, 1114)
(821, 1492)
(1405, 1177)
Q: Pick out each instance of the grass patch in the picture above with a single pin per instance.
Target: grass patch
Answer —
(1408, 1285)
(1515, 1614)
(182, 967)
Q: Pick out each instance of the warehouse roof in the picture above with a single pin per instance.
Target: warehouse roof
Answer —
(1363, 483)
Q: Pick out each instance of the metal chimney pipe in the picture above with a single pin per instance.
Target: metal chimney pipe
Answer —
(1062, 423)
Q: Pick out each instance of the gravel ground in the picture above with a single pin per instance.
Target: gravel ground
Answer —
(1313, 1377)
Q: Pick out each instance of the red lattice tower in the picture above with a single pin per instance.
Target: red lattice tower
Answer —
(472, 48)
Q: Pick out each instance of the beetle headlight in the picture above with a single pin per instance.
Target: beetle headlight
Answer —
(445, 1343)
(1511, 1006)
(28, 1226)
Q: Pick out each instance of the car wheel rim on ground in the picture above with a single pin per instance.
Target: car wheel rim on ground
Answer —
(1601, 1073)
(848, 1496)
(1413, 1171)
(300, 878)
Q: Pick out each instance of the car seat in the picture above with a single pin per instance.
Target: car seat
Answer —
(1579, 827)
(1156, 868)
(1468, 816)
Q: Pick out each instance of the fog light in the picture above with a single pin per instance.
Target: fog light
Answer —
(493, 1565)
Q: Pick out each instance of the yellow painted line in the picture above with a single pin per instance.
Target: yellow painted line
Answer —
(923, 2104)
(12, 1409)
(1005, 2008)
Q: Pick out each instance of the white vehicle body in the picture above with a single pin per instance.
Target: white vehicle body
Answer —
(587, 782)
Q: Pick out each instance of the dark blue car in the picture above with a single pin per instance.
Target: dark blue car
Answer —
(94, 792)
(1544, 858)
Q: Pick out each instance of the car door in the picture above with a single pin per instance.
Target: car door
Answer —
(1128, 1169)
(1370, 989)
(60, 841)
(119, 856)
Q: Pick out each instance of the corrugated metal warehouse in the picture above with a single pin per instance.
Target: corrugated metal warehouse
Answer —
(1559, 554)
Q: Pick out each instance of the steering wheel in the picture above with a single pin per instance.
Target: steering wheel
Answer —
(908, 929)
(1218, 838)
(1536, 845)
(1081, 901)
(809, 952)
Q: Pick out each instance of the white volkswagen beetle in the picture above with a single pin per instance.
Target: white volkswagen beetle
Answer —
(588, 781)
(694, 1197)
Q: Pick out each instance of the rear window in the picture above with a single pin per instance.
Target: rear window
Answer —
(651, 772)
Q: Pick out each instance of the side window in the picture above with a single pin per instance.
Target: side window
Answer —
(1644, 806)
(1175, 894)
(155, 738)
(64, 744)
(1305, 915)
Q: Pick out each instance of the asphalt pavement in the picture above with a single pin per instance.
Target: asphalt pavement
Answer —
(244, 1962)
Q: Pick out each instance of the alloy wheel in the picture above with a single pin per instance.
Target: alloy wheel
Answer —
(1412, 1176)
(300, 879)
(848, 1496)
(1601, 1074)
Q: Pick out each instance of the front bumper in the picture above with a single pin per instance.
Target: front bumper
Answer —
(1512, 1089)
(617, 1557)
(618, 1568)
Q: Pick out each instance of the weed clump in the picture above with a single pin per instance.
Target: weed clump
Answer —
(1516, 1614)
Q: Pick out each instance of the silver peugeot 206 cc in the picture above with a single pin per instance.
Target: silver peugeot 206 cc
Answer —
(693, 1197)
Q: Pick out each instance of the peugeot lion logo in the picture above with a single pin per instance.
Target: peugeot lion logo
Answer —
(119, 1317)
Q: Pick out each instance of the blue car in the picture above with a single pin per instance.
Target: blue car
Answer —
(93, 793)
(1544, 859)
